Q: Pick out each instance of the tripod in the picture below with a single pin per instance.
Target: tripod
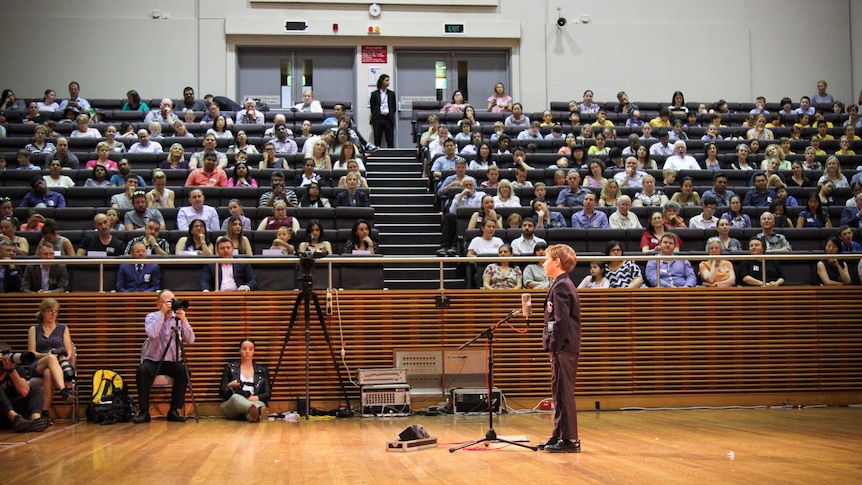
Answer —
(491, 434)
(305, 297)
(180, 353)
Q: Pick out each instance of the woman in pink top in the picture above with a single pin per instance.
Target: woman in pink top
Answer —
(103, 150)
(500, 102)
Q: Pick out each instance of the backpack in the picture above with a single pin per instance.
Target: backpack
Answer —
(111, 402)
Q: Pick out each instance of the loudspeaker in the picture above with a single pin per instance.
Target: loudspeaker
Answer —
(413, 432)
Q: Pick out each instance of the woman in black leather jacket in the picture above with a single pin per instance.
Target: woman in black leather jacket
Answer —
(245, 386)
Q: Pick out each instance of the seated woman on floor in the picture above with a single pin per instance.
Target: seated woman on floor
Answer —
(245, 386)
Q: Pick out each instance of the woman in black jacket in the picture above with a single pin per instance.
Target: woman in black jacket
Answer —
(245, 386)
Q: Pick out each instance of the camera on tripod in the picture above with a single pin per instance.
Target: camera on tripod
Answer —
(306, 262)
(177, 304)
(18, 358)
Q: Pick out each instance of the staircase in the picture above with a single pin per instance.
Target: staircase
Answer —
(406, 219)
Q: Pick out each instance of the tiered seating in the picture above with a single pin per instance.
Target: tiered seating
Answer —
(594, 241)
(84, 202)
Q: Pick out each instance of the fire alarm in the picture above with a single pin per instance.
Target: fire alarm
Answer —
(334, 28)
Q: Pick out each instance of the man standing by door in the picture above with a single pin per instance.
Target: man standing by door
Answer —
(383, 109)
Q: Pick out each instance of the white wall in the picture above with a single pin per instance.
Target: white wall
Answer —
(733, 49)
(108, 46)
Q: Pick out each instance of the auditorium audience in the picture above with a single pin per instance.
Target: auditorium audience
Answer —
(669, 273)
(312, 197)
(153, 244)
(753, 272)
(47, 277)
(831, 271)
(360, 241)
(235, 209)
(209, 144)
(621, 274)
(501, 275)
(315, 241)
(138, 277)
(728, 244)
(716, 272)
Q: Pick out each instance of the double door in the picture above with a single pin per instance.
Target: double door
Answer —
(284, 73)
(433, 75)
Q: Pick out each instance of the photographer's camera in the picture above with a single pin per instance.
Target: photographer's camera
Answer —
(177, 304)
(19, 358)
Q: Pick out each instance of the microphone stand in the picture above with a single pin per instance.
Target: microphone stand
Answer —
(491, 434)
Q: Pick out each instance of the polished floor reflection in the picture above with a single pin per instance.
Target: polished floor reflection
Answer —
(693, 446)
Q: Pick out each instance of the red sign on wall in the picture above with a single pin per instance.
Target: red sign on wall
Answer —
(374, 54)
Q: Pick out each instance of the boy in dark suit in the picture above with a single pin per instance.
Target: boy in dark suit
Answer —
(561, 337)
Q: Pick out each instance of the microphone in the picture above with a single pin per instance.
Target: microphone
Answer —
(329, 302)
(526, 306)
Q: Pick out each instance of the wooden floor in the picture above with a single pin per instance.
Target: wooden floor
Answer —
(789, 446)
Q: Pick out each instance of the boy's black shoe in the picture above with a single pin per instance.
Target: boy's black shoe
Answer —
(565, 446)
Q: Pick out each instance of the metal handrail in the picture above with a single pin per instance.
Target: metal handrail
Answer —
(329, 261)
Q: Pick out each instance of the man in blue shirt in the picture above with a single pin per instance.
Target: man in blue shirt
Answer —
(124, 168)
(589, 218)
(40, 196)
(571, 196)
(759, 196)
(445, 162)
(719, 190)
(75, 101)
(453, 181)
(669, 273)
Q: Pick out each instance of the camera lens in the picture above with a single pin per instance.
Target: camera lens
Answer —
(68, 371)
(20, 357)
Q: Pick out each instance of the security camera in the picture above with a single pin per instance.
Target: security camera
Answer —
(561, 22)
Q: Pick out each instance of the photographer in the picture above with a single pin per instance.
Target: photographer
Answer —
(50, 342)
(158, 325)
(17, 399)
(245, 386)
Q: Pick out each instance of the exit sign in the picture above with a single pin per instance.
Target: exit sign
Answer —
(453, 28)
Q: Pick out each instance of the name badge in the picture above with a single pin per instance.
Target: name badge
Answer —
(147, 278)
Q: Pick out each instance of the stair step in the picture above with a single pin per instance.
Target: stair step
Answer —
(410, 249)
(410, 239)
(385, 183)
(389, 208)
(406, 228)
(396, 166)
(397, 189)
(394, 152)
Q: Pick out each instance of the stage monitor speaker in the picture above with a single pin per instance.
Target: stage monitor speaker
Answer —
(413, 432)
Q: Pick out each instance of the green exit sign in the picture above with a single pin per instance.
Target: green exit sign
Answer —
(453, 28)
